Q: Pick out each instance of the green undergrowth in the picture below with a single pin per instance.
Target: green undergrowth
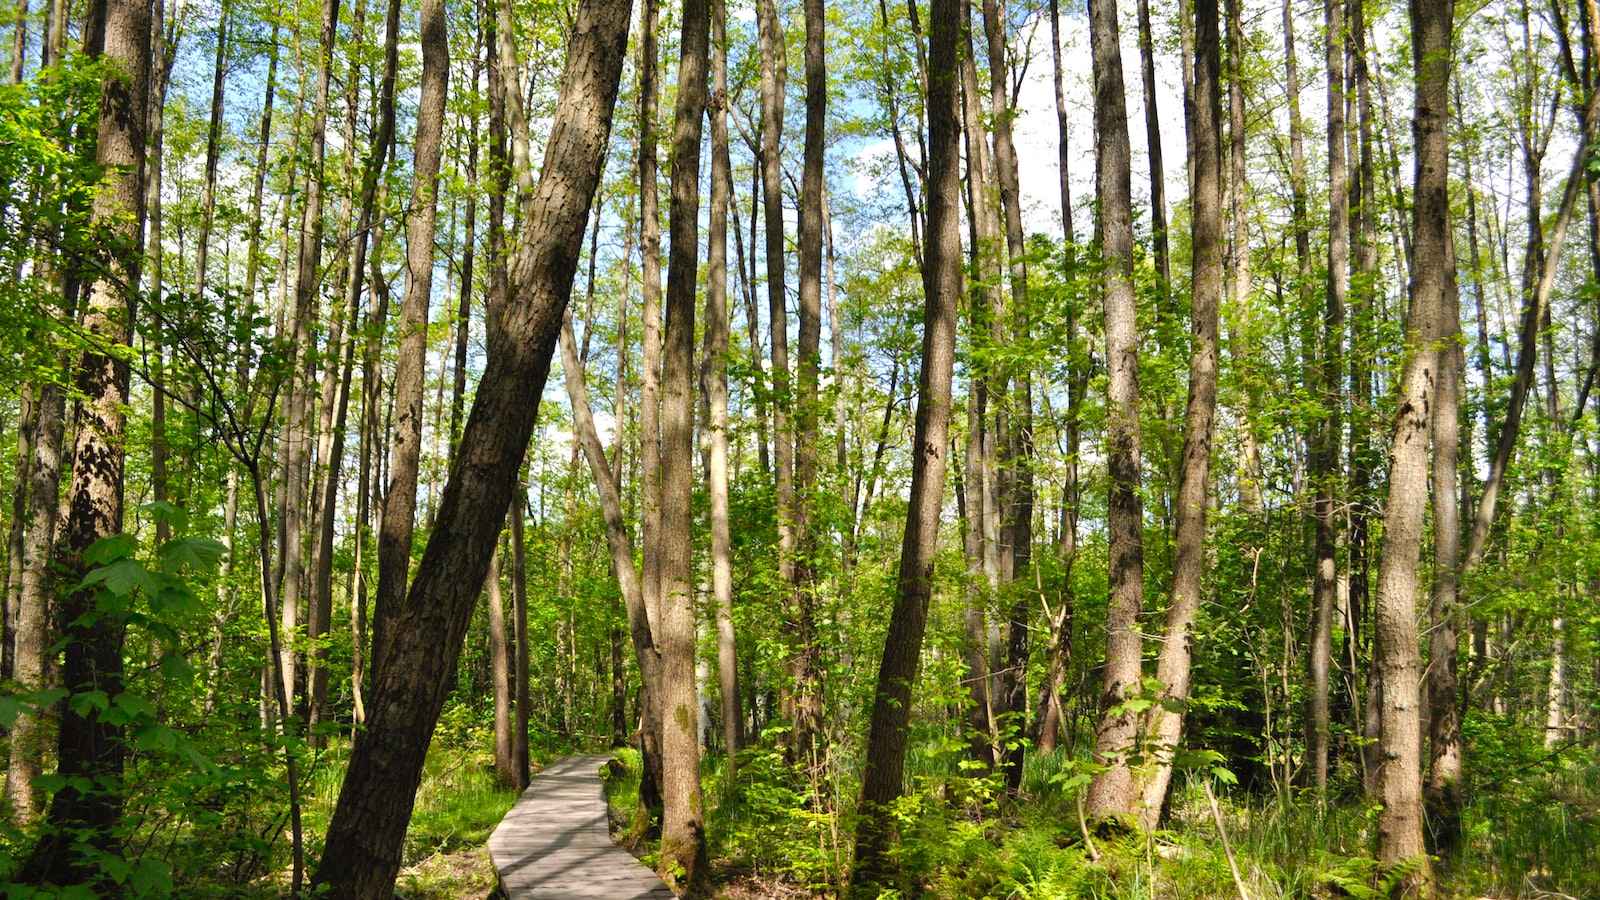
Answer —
(1536, 834)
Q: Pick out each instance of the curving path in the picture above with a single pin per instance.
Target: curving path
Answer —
(554, 843)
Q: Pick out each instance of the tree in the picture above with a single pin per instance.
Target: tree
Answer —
(84, 822)
(883, 776)
(1396, 663)
(1111, 793)
(399, 509)
(1164, 724)
(362, 851)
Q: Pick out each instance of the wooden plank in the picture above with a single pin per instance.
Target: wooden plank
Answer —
(554, 844)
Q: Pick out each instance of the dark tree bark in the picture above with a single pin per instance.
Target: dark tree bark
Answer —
(1112, 793)
(884, 774)
(86, 823)
(1164, 726)
(411, 682)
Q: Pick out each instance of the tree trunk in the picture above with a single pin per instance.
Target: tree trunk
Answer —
(806, 663)
(1152, 130)
(884, 773)
(400, 500)
(31, 628)
(519, 636)
(773, 76)
(1112, 793)
(1164, 725)
(362, 852)
(1330, 375)
(650, 368)
(1442, 791)
(716, 389)
(296, 455)
(1016, 455)
(683, 849)
(1396, 661)
(499, 672)
(87, 824)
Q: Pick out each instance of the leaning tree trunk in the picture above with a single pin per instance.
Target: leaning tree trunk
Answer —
(86, 824)
(412, 681)
(1164, 724)
(884, 774)
(1112, 793)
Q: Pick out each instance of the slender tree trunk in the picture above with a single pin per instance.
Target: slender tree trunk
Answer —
(1060, 620)
(296, 456)
(208, 193)
(87, 823)
(808, 719)
(499, 672)
(31, 628)
(362, 852)
(519, 636)
(716, 389)
(1152, 130)
(400, 500)
(773, 77)
(650, 368)
(1163, 725)
(1016, 456)
(1112, 792)
(883, 777)
(1442, 791)
(1330, 374)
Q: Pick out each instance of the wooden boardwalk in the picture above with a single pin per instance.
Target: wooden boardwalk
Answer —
(554, 844)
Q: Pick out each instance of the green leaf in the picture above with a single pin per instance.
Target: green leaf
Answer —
(9, 710)
(111, 548)
(174, 667)
(88, 702)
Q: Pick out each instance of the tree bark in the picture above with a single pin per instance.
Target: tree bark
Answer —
(1442, 790)
(884, 773)
(400, 500)
(1396, 661)
(1164, 725)
(650, 367)
(683, 850)
(1152, 130)
(716, 389)
(806, 663)
(296, 455)
(30, 634)
(1330, 374)
(411, 682)
(85, 824)
(1112, 792)
(499, 672)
